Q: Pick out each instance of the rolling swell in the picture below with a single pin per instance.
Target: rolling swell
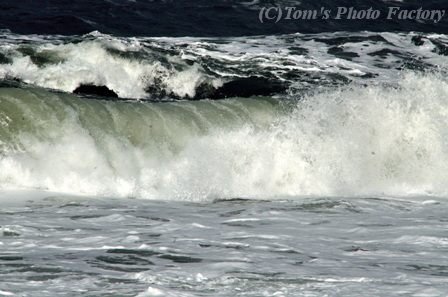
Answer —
(351, 141)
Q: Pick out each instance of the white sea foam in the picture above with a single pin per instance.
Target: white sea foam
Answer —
(91, 62)
(141, 67)
(355, 141)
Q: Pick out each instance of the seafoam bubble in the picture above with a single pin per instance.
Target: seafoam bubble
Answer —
(152, 292)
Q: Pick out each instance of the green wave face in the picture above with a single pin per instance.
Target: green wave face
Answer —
(73, 144)
(49, 117)
(355, 141)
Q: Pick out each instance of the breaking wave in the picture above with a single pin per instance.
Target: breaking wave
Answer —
(351, 141)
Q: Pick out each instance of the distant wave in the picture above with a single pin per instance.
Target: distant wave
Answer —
(195, 68)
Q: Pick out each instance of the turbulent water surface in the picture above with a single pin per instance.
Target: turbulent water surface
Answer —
(172, 148)
(290, 247)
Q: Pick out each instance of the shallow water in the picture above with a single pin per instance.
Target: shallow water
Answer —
(64, 245)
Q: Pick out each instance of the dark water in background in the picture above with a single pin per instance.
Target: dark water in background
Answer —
(198, 17)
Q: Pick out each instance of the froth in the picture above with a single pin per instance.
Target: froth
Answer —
(354, 141)
(104, 61)
(160, 68)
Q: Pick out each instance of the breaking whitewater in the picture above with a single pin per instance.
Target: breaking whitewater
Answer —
(298, 164)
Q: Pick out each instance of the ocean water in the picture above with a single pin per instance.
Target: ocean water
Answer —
(193, 148)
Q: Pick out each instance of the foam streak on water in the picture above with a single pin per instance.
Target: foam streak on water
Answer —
(309, 247)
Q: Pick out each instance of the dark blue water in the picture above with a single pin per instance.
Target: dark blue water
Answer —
(201, 17)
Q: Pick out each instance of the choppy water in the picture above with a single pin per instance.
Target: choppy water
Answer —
(184, 148)
(56, 245)
(199, 68)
